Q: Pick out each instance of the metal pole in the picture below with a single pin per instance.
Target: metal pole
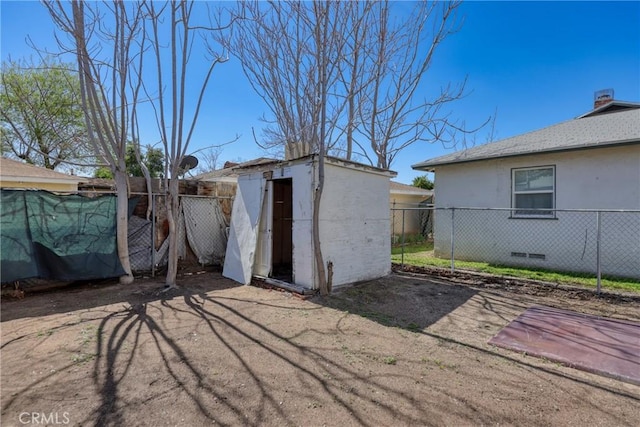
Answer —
(402, 251)
(598, 269)
(453, 236)
(153, 235)
(393, 221)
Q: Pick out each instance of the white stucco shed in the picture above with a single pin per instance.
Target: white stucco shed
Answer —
(271, 233)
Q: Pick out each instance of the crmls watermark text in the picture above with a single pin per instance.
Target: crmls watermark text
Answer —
(35, 418)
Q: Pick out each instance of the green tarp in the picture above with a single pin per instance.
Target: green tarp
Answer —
(57, 237)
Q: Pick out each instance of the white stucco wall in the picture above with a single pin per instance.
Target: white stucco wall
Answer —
(412, 218)
(355, 224)
(606, 178)
(302, 239)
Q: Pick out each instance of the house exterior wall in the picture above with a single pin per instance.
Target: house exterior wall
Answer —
(604, 178)
(354, 224)
(412, 219)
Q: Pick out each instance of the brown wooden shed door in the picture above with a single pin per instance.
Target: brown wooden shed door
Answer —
(282, 230)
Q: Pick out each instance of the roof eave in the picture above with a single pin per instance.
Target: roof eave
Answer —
(46, 180)
(609, 105)
(412, 193)
(335, 161)
(430, 166)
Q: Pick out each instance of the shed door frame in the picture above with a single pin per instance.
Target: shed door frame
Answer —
(282, 229)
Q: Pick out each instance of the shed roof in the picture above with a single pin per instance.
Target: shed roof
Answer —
(13, 170)
(248, 168)
(399, 188)
(229, 169)
(613, 124)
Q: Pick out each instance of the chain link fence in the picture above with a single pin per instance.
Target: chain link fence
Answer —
(603, 242)
(412, 222)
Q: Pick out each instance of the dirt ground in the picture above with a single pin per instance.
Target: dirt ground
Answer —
(407, 349)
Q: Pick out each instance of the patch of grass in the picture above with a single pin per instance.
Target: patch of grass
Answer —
(412, 248)
(349, 355)
(439, 363)
(357, 292)
(381, 318)
(411, 239)
(414, 327)
(83, 357)
(390, 360)
(353, 291)
(87, 334)
(423, 258)
(46, 333)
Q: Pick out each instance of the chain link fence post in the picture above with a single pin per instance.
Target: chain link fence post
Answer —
(153, 235)
(393, 222)
(453, 238)
(402, 251)
(598, 248)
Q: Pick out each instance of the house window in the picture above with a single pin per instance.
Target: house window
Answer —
(533, 191)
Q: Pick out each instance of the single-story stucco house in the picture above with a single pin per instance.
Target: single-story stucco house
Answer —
(591, 162)
(19, 175)
(408, 197)
(271, 232)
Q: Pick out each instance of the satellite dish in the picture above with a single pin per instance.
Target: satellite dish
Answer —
(188, 163)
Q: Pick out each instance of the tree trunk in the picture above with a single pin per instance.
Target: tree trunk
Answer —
(122, 224)
(317, 250)
(323, 87)
(173, 210)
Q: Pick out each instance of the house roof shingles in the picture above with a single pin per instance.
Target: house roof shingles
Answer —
(619, 127)
(12, 170)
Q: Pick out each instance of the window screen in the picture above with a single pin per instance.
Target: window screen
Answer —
(533, 191)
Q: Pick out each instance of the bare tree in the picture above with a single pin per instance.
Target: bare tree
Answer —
(209, 159)
(176, 122)
(393, 113)
(377, 98)
(112, 84)
(105, 50)
(289, 52)
(277, 43)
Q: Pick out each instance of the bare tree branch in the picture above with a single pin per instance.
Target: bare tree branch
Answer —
(376, 75)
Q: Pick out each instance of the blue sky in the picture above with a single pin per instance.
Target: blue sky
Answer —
(536, 63)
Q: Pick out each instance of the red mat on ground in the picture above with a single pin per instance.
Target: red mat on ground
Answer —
(594, 344)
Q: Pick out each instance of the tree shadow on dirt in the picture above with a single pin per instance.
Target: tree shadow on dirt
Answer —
(230, 326)
(89, 295)
(409, 303)
(141, 337)
(415, 303)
